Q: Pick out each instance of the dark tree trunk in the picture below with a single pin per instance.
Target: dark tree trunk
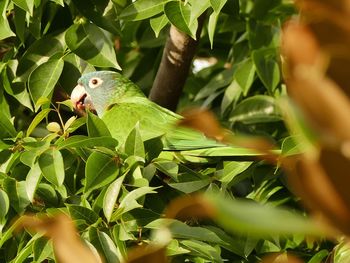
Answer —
(174, 67)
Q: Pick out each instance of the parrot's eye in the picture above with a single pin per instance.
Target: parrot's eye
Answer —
(95, 82)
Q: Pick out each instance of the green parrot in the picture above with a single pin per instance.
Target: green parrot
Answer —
(122, 105)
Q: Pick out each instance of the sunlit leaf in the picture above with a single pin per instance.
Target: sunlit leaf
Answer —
(142, 9)
(100, 170)
(92, 44)
(52, 167)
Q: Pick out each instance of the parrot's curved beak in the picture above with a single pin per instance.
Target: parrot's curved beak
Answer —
(81, 99)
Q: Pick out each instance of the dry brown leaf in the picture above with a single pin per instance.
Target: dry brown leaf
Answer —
(281, 258)
(147, 254)
(322, 185)
(326, 106)
(68, 246)
(187, 207)
(203, 121)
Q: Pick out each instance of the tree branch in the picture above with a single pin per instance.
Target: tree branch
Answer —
(174, 67)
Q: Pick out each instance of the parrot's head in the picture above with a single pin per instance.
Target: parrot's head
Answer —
(100, 89)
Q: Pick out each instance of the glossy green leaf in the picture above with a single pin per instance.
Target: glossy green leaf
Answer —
(96, 127)
(92, 44)
(267, 68)
(134, 144)
(6, 125)
(42, 249)
(37, 119)
(198, 7)
(129, 201)
(256, 109)
(59, 2)
(142, 9)
(82, 213)
(202, 249)
(220, 80)
(38, 53)
(213, 19)
(319, 257)
(217, 5)
(26, 5)
(52, 167)
(43, 79)
(111, 196)
(5, 31)
(84, 141)
(92, 10)
(32, 181)
(4, 204)
(231, 170)
(100, 170)
(16, 89)
(109, 249)
(244, 75)
(179, 15)
(16, 193)
(158, 23)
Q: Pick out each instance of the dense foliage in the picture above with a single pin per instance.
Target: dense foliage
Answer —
(55, 161)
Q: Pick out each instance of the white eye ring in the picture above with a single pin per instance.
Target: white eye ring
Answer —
(95, 82)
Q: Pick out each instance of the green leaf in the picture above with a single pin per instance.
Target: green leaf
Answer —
(231, 170)
(43, 79)
(108, 247)
(181, 230)
(256, 109)
(158, 23)
(319, 256)
(38, 53)
(129, 201)
(6, 125)
(198, 7)
(37, 119)
(104, 245)
(78, 141)
(5, 31)
(96, 127)
(51, 165)
(202, 249)
(61, 3)
(32, 181)
(100, 170)
(17, 194)
(243, 216)
(134, 144)
(4, 204)
(267, 67)
(244, 75)
(42, 249)
(24, 253)
(179, 15)
(16, 89)
(220, 80)
(26, 5)
(170, 168)
(111, 196)
(99, 16)
(92, 44)
(213, 19)
(217, 5)
(142, 9)
(82, 213)
(191, 186)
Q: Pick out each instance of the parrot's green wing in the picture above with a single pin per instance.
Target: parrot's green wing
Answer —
(154, 121)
